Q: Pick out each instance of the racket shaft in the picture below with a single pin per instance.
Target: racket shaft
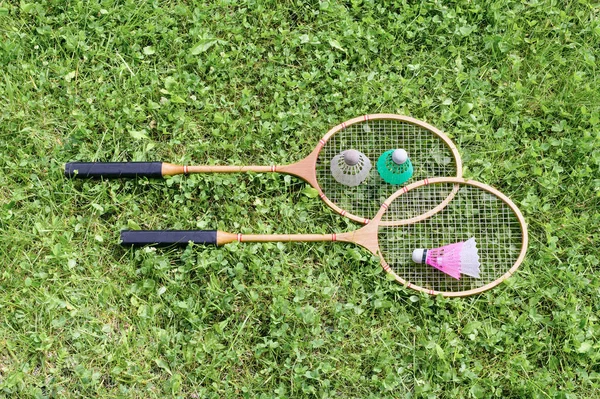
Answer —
(226, 169)
(284, 237)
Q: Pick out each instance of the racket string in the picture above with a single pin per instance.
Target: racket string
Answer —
(473, 212)
(429, 154)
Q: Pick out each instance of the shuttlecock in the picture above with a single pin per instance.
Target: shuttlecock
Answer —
(453, 259)
(350, 167)
(394, 167)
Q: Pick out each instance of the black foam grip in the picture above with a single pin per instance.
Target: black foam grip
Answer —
(168, 237)
(113, 169)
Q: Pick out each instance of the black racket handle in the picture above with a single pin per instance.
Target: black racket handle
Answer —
(168, 237)
(113, 169)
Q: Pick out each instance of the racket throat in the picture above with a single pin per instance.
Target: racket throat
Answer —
(365, 237)
(305, 168)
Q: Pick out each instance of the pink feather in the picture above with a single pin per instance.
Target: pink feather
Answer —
(446, 259)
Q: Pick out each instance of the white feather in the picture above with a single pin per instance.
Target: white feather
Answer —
(350, 175)
(469, 258)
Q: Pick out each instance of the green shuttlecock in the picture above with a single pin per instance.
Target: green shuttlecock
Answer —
(394, 167)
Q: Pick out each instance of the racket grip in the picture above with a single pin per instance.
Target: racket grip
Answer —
(113, 169)
(168, 237)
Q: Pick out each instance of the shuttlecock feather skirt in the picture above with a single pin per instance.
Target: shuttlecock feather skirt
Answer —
(350, 170)
(453, 259)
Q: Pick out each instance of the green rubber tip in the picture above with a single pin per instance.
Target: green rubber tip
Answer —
(391, 172)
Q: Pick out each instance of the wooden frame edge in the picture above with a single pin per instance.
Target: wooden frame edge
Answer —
(458, 182)
(312, 179)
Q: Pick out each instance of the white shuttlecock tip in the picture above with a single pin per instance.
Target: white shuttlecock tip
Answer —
(417, 255)
(399, 156)
(351, 157)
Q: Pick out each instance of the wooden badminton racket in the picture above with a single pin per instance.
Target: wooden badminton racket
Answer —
(476, 211)
(432, 154)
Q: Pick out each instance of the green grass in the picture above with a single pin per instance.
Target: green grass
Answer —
(515, 85)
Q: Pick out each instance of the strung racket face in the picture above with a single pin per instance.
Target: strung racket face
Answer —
(431, 152)
(476, 210)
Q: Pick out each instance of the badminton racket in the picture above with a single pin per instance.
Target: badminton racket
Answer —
(432, 154)
(476, 211)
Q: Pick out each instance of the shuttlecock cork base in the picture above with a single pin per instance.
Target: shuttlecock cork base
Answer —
(350, 167)
(453, 259)
(394, 167)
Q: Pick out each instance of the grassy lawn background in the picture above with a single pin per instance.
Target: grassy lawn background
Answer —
(516, 86)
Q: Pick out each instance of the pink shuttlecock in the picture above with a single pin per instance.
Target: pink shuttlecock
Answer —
(453, 259)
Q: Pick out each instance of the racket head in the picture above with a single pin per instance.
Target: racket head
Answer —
(431, 152)
(476, 210)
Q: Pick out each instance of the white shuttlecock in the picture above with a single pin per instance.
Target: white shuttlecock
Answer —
(350, 167)
(453, 259)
